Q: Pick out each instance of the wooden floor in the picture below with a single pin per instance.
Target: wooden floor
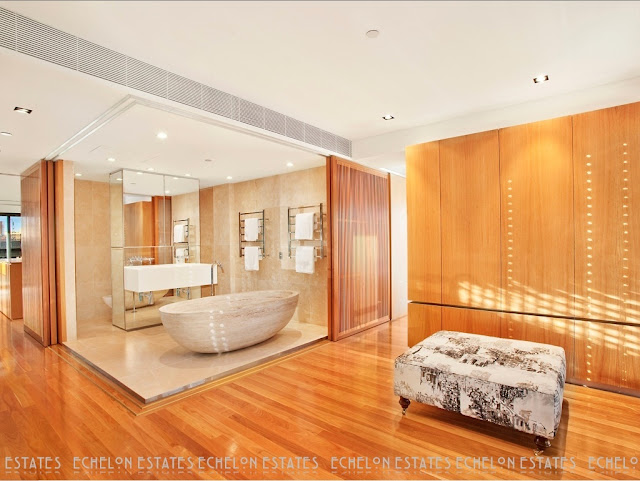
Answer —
(330, 402)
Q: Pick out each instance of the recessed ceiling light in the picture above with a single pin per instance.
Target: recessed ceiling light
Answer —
(150, 169)
(162, 135)
(6, 134)
(187, 175)
(111, 159)
(119, 179)
(388, 117)
(540, 78)
(139, 173)
(289, 164)
(175, 178)
(372, 33)
(229, 177)
(78, 174)
(22, 110)
(167, 191)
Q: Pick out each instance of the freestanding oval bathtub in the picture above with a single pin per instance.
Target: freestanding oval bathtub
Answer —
(230, 321)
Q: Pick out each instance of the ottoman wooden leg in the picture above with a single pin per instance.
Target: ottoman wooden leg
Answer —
(541, 444)
(404, 403)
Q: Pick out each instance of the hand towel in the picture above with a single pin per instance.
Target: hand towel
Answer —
(304, 226)
(251, 229)
(306, 259)
(178, 233)
(251, 258)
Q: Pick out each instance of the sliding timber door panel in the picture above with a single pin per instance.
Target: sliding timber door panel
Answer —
(361, 249)
(537, 235)
(470, 200)
(606, 147)
(423, 223)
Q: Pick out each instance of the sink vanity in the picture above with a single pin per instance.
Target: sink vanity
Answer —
(168, 276)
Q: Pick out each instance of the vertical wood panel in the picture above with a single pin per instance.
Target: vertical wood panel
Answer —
(424, 320)
(536, 177)
(423, 223)
(475, 321)
(606, 146)
(470, 200)
(361, 248)
(547, 330)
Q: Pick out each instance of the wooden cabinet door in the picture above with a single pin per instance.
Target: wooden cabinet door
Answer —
(474, 321)
(536, 179)
(470, 199)
(423, 223)
(606, 148)
(546, 330)
(424, 320)
(607, 354)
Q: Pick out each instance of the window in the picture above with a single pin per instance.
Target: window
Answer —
(10, 236)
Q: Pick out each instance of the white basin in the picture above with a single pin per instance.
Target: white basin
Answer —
(168, 276)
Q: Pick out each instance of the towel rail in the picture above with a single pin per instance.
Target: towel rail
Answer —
(318, 228)
(261, 243)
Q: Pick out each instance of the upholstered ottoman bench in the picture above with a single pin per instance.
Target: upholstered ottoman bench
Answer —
(512, 383)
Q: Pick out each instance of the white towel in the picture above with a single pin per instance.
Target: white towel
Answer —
(306, 259)
(304, 226)
(178, 233)
(251, 258)
(251, 229)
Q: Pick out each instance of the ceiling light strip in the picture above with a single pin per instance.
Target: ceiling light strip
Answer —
(36, 39)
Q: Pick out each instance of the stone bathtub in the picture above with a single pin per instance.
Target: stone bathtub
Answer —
(230, 321)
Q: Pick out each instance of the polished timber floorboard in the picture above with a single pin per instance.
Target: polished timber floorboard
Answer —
(335, 400)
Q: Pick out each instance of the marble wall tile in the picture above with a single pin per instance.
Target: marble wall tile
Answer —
(93, 245)
(275, 195)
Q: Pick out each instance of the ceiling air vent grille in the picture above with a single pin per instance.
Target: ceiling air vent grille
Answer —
(312, 135)
(102, 62)
(329, 141)
(48, 43)
(145, 77)
(185, 91)
(295, 129)
(217, 102)
(275, 122)
(250, 113)
(7, 29)
(343, 146)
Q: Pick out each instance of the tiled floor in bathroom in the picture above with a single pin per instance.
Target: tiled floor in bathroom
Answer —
(150, 364)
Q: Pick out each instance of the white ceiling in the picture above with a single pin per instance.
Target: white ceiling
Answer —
(131, 139)
(311, 60)
(63, 102)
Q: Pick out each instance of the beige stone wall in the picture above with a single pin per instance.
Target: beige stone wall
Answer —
(274, 194)
(93, 245)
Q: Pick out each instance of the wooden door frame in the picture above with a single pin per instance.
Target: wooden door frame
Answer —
(332, 240)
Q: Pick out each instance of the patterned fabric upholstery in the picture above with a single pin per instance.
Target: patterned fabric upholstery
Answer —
(513, 383)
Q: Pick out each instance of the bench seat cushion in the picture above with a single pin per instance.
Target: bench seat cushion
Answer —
(513, 383)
